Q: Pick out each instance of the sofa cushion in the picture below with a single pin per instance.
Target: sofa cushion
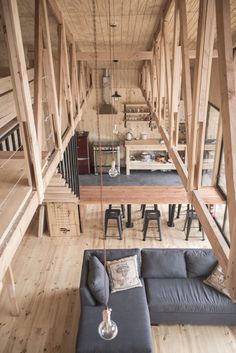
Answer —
(123, 273)
(200, 262)
(130, 312)
(217, 280)
(98, 281)
(185, 295)
(163, 263)
(113, 254)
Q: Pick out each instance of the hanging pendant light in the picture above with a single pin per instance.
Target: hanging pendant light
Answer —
(113, 172)
(116, 95)
(107, 329)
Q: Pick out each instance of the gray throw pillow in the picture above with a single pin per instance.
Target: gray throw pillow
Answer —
(200, 262)
(98, 281)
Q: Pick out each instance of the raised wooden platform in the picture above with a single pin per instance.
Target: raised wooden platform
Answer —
(145, 195)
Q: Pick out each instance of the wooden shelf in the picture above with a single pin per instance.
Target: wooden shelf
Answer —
(136, 113)
(150, 165)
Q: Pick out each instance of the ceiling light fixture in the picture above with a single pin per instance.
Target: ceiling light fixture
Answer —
(116, 95)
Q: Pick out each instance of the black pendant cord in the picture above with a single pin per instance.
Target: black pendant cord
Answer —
(99, 136)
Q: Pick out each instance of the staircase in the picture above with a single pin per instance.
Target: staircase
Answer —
(61, 197)
(59, 191)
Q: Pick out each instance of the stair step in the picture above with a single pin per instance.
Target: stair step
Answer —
(55, 197)
(61, 189)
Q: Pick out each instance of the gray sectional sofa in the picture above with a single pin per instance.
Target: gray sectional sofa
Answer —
(173, 292)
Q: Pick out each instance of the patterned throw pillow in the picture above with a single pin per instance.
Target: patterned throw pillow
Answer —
(123, 274)
(217, 280)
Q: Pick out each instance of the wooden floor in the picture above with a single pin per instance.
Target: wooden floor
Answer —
(47, 274)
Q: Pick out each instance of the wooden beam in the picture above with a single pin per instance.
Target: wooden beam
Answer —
(202, 73)
(176, 80)
(59, 16)
(179, 165)
(173, 152)
(11, 288)
(67, 75)
(166, 9)
(217, 156)
(156, 57)
(12, 241)
(167, 65)
(193, 54)
(145, 194)
(218, 243)
(154, 81)
(49, 67)
(21, 90)
(187, 89)
(148, 83)
(74, 78)
(119, 55)
(38, 72)
(228, 111)
(161, 69)
(41, 220)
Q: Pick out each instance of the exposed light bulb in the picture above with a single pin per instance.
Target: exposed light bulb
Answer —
(113, 172)
(115, 130)
(107, 329)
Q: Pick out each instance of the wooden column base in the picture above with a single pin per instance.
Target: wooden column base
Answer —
(11, 288)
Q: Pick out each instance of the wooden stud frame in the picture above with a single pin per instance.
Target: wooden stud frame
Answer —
(31, 121)
(22, 93)
(196, 111)
(228, 111)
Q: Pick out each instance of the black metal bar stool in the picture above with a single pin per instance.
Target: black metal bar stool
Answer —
(179, 210)
(151, 215)
(190, 216)
(122, 207)
(143, 208)
(113, 214)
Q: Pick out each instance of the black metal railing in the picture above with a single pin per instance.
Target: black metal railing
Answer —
(69, 168)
